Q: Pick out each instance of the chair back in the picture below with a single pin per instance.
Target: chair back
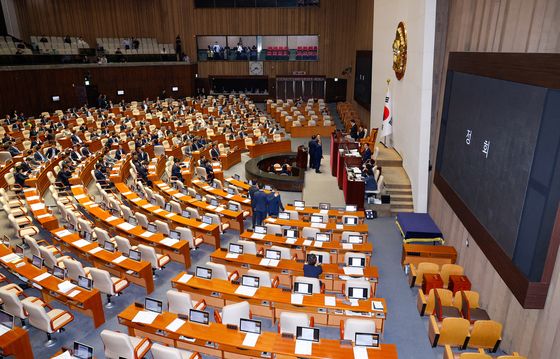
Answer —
(284, 252)
(74, 267)
(33, 246)
(272, 228)
(454, 331)
(11, 303)
(309, 232)
(123, 244)
(102, 280)
(289, 321)
(218, 270)
(117, 345)
(325, 256)
(264, 277)
(48, 257)
(102, 235)
(162, 227)
(357, 283)
(249, 247)
(425, 267)
(355, 325)
(349, 255)
(449, 269)
(163, 352)
(233, 312)
(486, 334)
(315, 283)
(148, 254)
(179, 302)
(38, 316)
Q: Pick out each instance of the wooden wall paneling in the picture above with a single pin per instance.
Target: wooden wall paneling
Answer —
(499, 26)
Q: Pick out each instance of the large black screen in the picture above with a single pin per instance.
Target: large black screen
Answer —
(487, 145)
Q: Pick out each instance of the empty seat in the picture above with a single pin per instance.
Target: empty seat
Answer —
(316, 285)
(350, 326)
(148, 253)
(107, 284)
(181, 303)
(119, 345)
(289, 321)
(163, 352)
(450, 331)
(50, 322)
(232, 313)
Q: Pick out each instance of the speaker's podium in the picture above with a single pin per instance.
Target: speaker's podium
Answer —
(301, 157)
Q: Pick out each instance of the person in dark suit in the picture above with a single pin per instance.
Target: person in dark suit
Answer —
(215, 153)
(119, 153)
(361, 133)
(353, 130)
(99, 175)
(75, 155)
(275, 205)
(14, 151)
(25, 166)
(142, 169)
(20, 177)
(366, 154)
(64, 176)
(38, 156)
(259, 203)
(311, 269)
(85, 151)
(176, 169)
(318, 153)
(312, 149)
(143, 155)
(52, 151)
(75, 139)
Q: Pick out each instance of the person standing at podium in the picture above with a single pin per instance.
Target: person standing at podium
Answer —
(318, 154)
(312, 149)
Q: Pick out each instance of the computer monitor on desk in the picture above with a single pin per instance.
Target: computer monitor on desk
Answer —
(358, 293)
(153, 305)
(351, 221)
(6, 321)
(260, 229)
(250, 326)
(135, 255)
(284, 215)
(250, 281)
(324, 206)
(37, 261)
(59, 272)
(370, 340)
(82, 351)
(272, 254)
(351, 208)
(303, 288)
(323, 237)
(308, 334)
(299, 204)
(290, 233)
(316, 219)
(203, 272)
(85, 283)
(173, 234)
(199, 316)
(359, 262)
(235, 248)
(152, 227)
(355, 239)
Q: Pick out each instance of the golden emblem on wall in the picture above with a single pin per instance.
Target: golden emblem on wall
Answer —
(399, 51)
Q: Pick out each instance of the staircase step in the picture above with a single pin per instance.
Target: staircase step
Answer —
(388, 163)
(401, 197)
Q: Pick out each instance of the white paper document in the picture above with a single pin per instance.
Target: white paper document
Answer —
(119, 259)
(44, 215)
(318, 244)
(158, 210)
(376, 305)
(203, 225)
(63, 233)
(33, 198)
(169, 241)
(147, 234)
(145, 317)
(74, 293)
(65, 355)
(300, 208)
(125, 226)
(303, 347)
(339, 226)
(269, 262)
(353, 271)
(354, 302)
(37, 206)
(137, 199)
(175, 325)
(330, 301)
(271, 220)
(185, 278)
(111, 218)
(210, 207)
(41, 277)
(170, 214)
(347, 246)
(307, 242)
(80, 243)
(360, 353)
(319, 225)
(80, 196)
(246, 291)
(291, 240)
(324, 211)
(250, 340)
(95, 250)
(232, 256)
(8, 258)
(66, 286)
(296, 298)
(257, 236)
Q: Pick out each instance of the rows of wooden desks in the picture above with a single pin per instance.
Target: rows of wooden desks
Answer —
(234, 218)
(257, 150)
(177, 250)
(219, 341)
(137, 272)
(210, 232)
(332, 213)
(333, 276)
(220, 193)
(84, 301)
(335, 228)
(300, 246)
(327, 310)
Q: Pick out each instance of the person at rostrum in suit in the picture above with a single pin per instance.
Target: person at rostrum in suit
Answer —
(312, 147)
(353, 130)
(366, 153)
(318, 153)
(176, 169)
(259, 204)
(274, 204)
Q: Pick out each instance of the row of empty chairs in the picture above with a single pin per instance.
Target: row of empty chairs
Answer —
(146, 46)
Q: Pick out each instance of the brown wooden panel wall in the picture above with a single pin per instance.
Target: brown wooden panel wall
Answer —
(31, 90)
(496, 26)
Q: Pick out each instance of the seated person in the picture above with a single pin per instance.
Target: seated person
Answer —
(176, 169)
(100, 176)
(311, 269)
(20, 177)
(64, 176)
(215, 153)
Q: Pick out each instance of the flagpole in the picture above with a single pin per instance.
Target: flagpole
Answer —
(385, 137)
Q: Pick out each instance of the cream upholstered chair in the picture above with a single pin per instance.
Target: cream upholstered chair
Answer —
(12, 304)
(163, 352)
(50, 322)
(232, 313)
(357, 283)
(309, 232)
(285, 252)
(193, 212)
(350, 326)
(249, 247)
(264, 278)
(50, 259)
(219, 271)
(158, 261)
(187, 235)
(347, 234)
(272, 228)
(141, 219)
(75, 269)
(123, 244)
(217, 221)
(35, 245)
(181, 303)
(107, 284)
(120, 345)
(289, 321)
(162, 227)
(315, 283)
(102, 236)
